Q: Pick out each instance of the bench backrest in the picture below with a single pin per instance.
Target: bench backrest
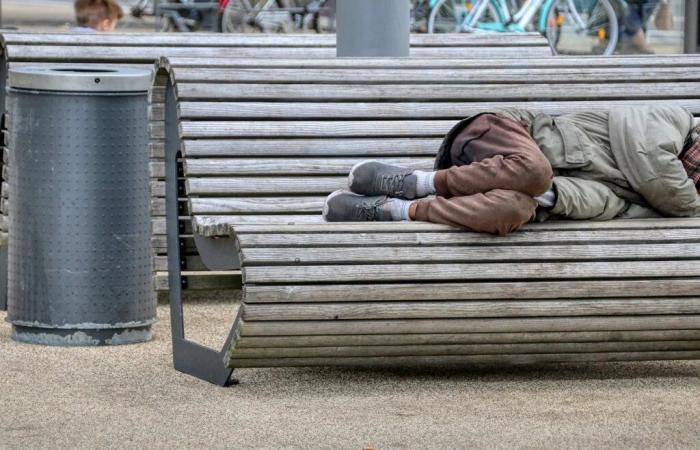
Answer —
(264, 145)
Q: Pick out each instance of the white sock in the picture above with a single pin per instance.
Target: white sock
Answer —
(425, 183)
(399, 208)
(547, 200)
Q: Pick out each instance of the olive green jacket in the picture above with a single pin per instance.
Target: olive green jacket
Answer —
(622, 163)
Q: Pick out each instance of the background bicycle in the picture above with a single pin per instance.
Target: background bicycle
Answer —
(277, 16)
(571, 26)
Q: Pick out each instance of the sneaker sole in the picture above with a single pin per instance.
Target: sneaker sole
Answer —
(324, 214)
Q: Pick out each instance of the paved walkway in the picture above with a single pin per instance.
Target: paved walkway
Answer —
(130, 397)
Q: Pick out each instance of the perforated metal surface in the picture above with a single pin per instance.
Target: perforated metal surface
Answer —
(79, 197)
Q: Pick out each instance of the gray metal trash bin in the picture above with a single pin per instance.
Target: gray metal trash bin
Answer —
(79, 242)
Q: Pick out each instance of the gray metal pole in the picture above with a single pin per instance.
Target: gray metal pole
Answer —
(373, 27)
(692, 38)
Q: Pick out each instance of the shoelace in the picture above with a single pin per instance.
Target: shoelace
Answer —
(367, 210)
(393, 183)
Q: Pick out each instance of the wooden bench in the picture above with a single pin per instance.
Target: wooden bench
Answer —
(251, 155)
(144, 50)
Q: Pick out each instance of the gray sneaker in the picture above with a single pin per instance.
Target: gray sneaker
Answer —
(376, 178)
(344, 206)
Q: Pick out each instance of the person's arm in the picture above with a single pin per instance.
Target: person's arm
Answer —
(585, 199)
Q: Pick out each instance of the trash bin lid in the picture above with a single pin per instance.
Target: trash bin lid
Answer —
(80, 79)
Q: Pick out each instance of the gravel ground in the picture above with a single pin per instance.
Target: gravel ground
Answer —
(130, 397)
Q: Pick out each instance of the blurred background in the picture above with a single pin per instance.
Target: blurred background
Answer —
(281, 16)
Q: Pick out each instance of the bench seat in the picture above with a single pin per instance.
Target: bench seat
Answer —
(356, 294)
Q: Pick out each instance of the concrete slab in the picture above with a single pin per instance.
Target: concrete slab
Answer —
(130, 397)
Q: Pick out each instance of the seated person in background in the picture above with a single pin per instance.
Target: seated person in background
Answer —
(96, 15)
(634, 26)
(495, 171)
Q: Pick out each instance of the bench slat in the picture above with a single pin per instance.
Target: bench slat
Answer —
(311, 147)
(412, 361)
(488, 325)
(287, 166)
(524, 76)
(455, 254)
(221, 225)
(152, 53)
(331, 128)
(257, 205)
(265, 185)
(428, 239)
(629, 61)
(472, 309)
(464, 338)
(395, 110)
(462, 349)
(465, 271)
(412, 227)
(260, 40)
(451, 92)
(512, 290)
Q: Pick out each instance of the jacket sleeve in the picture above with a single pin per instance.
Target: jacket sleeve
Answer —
(586, 199)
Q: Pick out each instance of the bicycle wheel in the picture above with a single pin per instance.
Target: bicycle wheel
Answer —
(448, 15)
(581, 27)
(238, 17)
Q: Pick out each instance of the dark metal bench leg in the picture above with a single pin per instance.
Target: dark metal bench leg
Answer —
(188, 357)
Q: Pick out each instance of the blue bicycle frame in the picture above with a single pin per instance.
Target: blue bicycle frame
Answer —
(504, 17)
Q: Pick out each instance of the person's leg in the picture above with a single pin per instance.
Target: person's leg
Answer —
(634, 27)
(498, 211)
(492, 152)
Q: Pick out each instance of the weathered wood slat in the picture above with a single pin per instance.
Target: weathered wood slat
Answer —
(452, 92)
(260, 40)
(523, 359)
(471, 271)
(512, 290)
(216, 225)
(287, 166)
(221, 225)
(399, 110)
(473, 309)
(202, 280)
(501, 325)
(465, 338)
(160, 244)
(409, 227)
(156, 168)
(630, 61)
(311, 147)
(426, 239)
(152, 53)
(331, 128)
(193, 263)
(157, 188)
(520, 76)
(462, 349)
(452, 253)
(257, 205)
(265, 185)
